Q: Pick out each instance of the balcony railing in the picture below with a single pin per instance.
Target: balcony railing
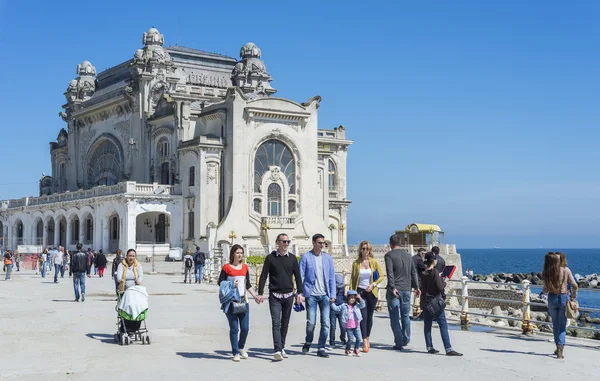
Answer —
(129, 187)
(279, 222)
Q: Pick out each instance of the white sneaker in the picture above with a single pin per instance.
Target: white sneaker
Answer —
(277, 356)
(283, 354)
(236, 358)
(243, 354)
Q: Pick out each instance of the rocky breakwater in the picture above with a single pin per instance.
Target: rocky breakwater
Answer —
(583, 281)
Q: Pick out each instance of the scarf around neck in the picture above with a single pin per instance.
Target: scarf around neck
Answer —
(124, 275)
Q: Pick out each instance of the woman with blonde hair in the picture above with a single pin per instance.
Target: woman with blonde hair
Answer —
(556, 279)
(366, 275)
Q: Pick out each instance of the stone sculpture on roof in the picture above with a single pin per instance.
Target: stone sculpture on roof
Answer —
(250, 74)
(83, 87)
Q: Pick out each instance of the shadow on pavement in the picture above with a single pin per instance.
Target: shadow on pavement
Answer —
(63, 300)
(388, 347)
(218, 355)
(515, 352)
(103, 337)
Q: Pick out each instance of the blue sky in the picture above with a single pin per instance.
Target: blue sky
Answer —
(482, 117)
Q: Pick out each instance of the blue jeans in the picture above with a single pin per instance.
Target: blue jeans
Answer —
(43, 269)
(399, 310)
(557, 305)
(334, 318)
(8, 271)
(238, 324)
(353, 335)
(78, 281)
(198, 272)
(56, 271)
(443, 324)
(311, 319)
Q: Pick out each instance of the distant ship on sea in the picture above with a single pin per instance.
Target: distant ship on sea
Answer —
(495, 247)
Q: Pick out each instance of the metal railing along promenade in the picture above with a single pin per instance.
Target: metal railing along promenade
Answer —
(525, 304)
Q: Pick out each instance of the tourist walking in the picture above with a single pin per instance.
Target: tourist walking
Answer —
(351, 318)
(78, 269)
(199, 261)
(336, 317)
(441, 263)
(401, 277)
(48, 260)
(432, 290)
(57, 261)
(418, 259)
(101, 262)
(130, 272)
(366, 276)
(188, 264)
(8, 264)
(115, 265)
(65, 265)
(17, 260)
(238, 317)
(35, 258)
(281, 267)
(43, 262)
(318, 283)
(556, 279)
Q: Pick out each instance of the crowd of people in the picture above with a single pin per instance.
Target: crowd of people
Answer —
(312, 284)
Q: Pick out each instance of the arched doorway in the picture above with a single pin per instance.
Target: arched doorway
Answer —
(75, 232)
(50, 227)
(1, 235)
(19, 232)
(88, 229)
(114, 232)
(153, 227)
(62, 231)
(38, 232)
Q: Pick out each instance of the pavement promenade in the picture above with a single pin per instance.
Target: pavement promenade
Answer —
(47, 336)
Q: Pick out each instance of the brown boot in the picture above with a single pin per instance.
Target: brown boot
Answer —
(559, 351)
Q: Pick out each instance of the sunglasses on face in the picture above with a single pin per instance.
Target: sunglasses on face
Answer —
(320, 243)
(285, 241)
(365, 248)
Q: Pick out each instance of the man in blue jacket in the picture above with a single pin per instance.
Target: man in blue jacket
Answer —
(318, 276)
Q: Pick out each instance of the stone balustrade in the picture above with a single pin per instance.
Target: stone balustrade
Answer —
(129, 187)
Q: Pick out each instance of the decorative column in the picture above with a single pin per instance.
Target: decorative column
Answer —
(81, 230)
(69, 233)
(56, 232)
(130, 226)
(45, 235)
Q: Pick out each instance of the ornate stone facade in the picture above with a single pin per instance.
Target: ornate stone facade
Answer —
(179, 147)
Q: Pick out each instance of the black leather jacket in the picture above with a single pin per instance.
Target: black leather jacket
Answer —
(79, 263)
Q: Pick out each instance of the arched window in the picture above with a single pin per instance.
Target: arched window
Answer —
(163, 147)
(291, 206)
(258, 205)
(105, 166)
(332, 175)
(274, 200)
(274, 153)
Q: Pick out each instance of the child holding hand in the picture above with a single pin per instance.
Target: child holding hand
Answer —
(351, 318)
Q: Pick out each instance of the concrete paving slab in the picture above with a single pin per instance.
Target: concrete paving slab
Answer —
(47, 336)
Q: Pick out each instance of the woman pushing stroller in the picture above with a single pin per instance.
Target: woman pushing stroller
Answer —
(132, 306)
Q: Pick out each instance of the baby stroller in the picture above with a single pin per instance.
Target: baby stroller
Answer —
(132, 309)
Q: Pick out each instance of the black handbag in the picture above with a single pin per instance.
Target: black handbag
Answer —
(435, 306)
(240, 307)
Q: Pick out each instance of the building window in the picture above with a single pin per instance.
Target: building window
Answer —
(192, 176)
(291, 206)
(163, 147)
(114, 228)
(332, 175)
(164, 173)
(105, 166)
(89, 229)
(75, 232)
(274, 153)
(274, 200)
(257, 205)
(191, 225)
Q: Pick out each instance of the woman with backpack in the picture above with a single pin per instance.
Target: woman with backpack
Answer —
(432, 289)
(188, 264)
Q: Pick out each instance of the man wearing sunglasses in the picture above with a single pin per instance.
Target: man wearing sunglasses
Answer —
(280, 266)
(318, 275)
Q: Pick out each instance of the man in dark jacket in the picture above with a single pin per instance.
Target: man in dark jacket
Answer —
(418, 259)
(441, 263)
(199, 261)
(78, 270)
(101, 263)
